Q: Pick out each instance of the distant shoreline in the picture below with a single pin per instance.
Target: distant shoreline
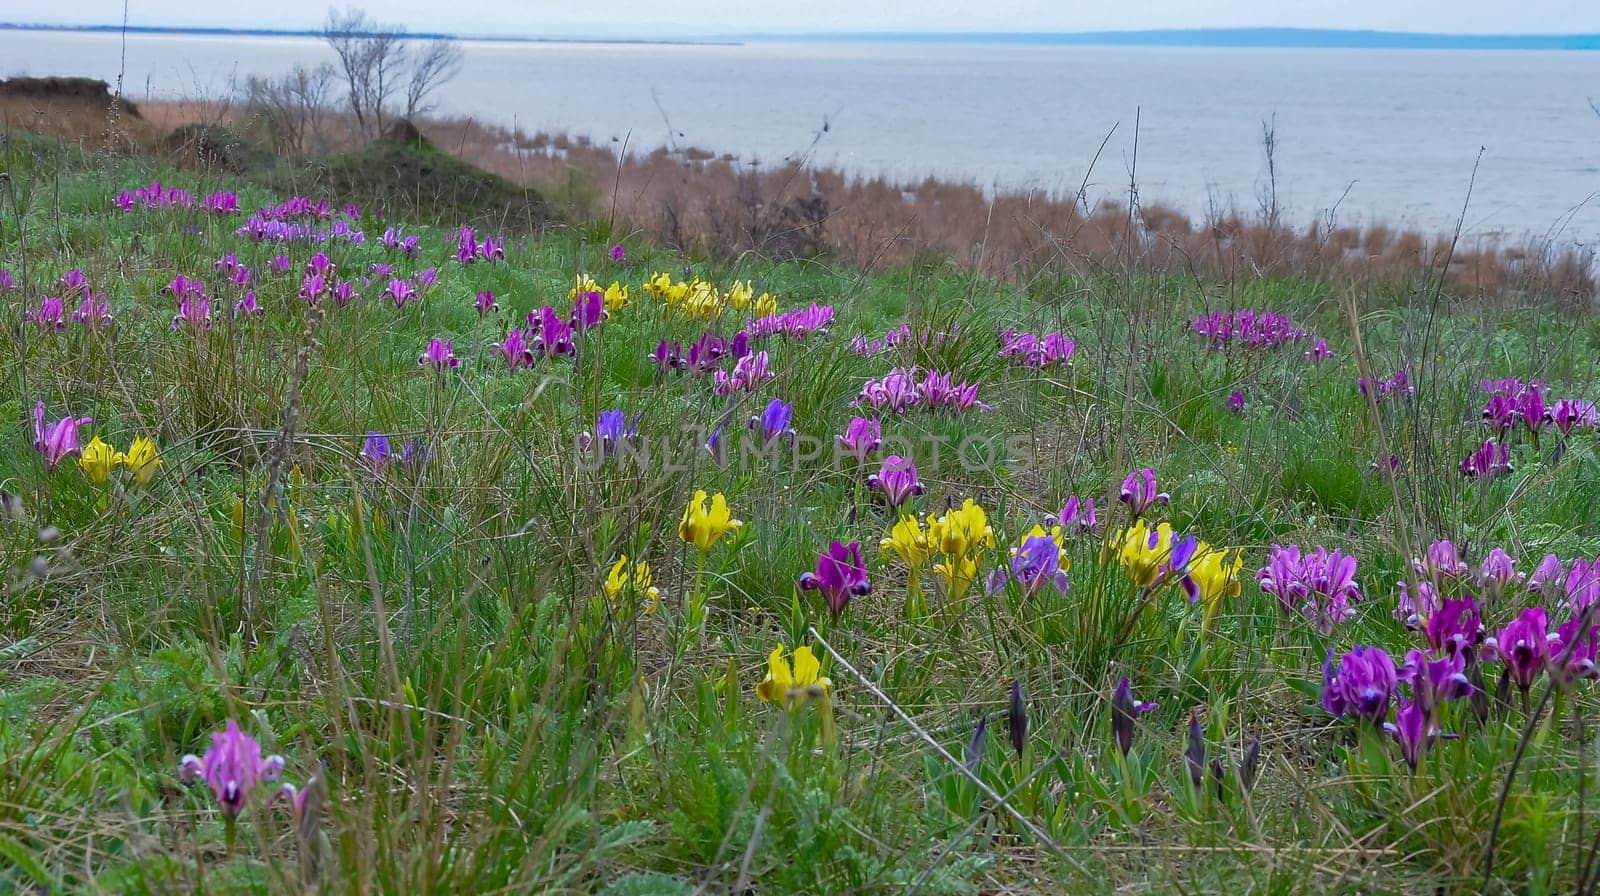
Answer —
(1240, 38)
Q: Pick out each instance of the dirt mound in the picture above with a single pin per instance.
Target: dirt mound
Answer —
(415, 181)
(84, 90)
(405, 133)
(78, 110)
(212, 148)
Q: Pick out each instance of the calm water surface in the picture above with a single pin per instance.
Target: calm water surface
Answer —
(1394, 132)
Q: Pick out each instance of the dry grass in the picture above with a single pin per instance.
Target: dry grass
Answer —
(703, 203)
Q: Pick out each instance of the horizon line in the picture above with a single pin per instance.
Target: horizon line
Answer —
(1229, 37)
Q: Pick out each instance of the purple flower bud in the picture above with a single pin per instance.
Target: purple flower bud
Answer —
(1017, 718)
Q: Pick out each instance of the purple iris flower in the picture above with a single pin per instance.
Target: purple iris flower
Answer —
(195, 312)
(840, 576)
(51, 314)
(1320, 585)
(747, 375)
(667, 356)
(861, 437)
(400, 291)
(413, 454)
(485, 303)
(897, 479)
(231, 768)
(1523, 645)
(549, 334)
(59, 440)
(440, 353)
(1236, 402)
(1411, 729)
(1434, 681)
(1443, 561)
(1361, 685)
(618, 253)
(1416, 607)
(93, 311)
(248, 307)
(1140, 492)
(1549, 580)
(612, 431)
(1583, 584)
(1124, 712)
(588, 310)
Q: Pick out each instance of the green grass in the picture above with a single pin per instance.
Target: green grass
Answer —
(434, 645)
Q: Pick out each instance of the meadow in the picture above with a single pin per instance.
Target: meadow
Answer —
(356, 546)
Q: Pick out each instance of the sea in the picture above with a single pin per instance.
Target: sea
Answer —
(1506, 142)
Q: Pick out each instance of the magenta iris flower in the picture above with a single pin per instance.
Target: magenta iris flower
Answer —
(400, 291)
(1320, 585)
(1319, 352)
(796, 324)
(485, 303)
(1236, 402)
(515, 350)
(861, 438)
(231, 768)
(548, 334)
(1361, 685)
(1140, 492)
(897, 479)
(1569, 414)
(840, 576)
(1497, 574)
(1412, 730)
(440, 353)
(1250, 328)
(1573, 654)
(1523, 646)
(1487, 461)
(194, 312)
(59, 440)
(1077, 516)
(50, 315)
(618, 253)
(1443, 562)
(588, 310)
(248, 307)
(1039, 352)
(1583, 584)
(1415, 606)
(1455, 627)
(747, 375)
(93, 311)
(1433, 681)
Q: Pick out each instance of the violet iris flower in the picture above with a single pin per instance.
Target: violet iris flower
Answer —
(773, 423)
(485, 303)
(1361, 685)
(1035, 563)
(1497, 574)
(376, 453)
(1487, 461)
(1124, 712)
(1574, 413)
(840, 576)
(515, 350)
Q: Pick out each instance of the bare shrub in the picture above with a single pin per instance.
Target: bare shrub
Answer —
(382, 66)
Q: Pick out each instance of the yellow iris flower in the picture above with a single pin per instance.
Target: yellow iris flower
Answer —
(740, 294)
(1146, 554)
(142, 459)
(909, 542)
(98, 461)
(616, 297)
(582, 285)
(961, 530)
(1215, 576)
(793, 687)
(765, 304)
(638, 578)
(703, 527)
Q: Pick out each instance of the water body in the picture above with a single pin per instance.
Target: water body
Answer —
(1387, 136)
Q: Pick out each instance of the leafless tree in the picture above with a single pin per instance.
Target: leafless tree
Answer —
(433, 64)
(381, 66)
(291, 109)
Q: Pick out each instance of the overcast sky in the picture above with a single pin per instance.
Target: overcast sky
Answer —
(644, 18)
